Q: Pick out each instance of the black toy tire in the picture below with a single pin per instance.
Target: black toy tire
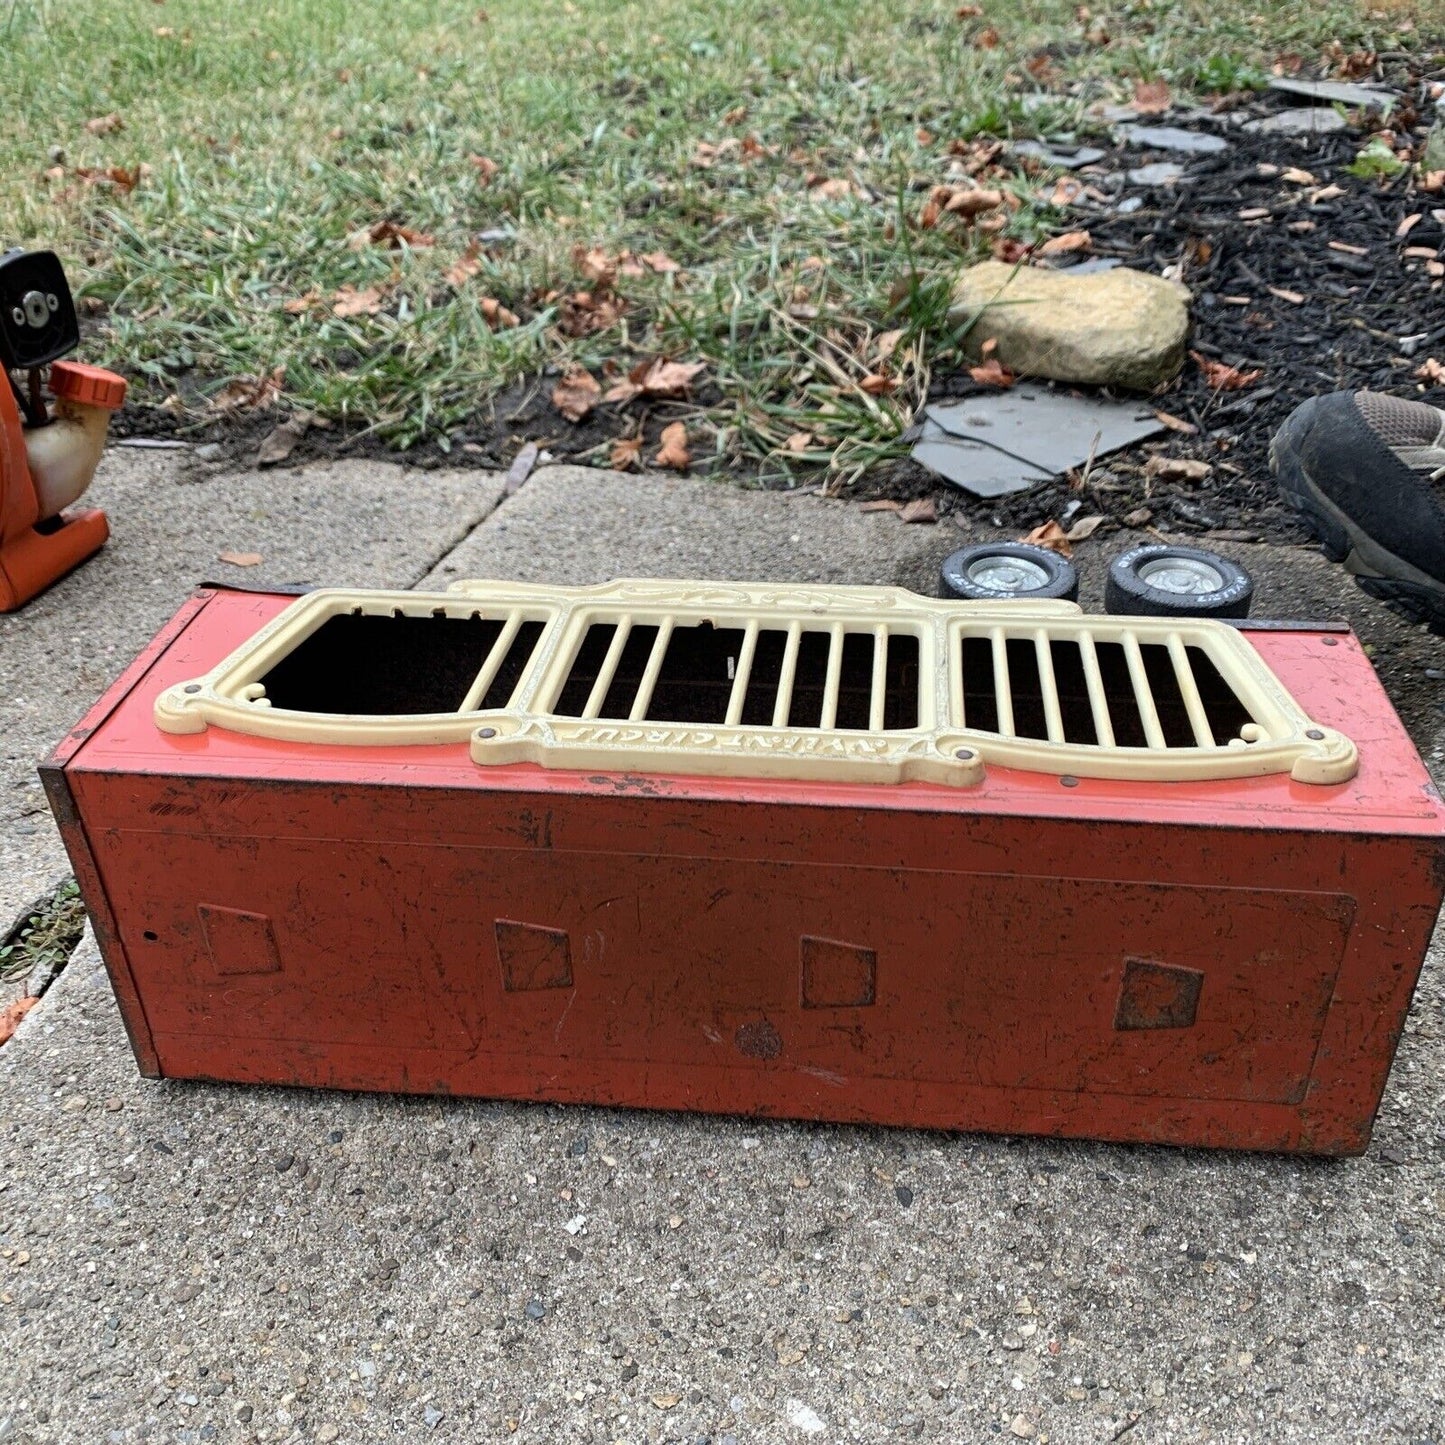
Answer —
(1128, 591)
(1050, 575)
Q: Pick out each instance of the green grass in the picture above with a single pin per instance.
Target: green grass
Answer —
(275, 131)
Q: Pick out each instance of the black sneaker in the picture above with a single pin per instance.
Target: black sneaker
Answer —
(1363, 469)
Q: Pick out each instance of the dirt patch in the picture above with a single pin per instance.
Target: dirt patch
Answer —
(490, 439)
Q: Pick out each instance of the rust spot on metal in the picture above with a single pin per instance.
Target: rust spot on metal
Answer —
(627, 783)
(759, 1040)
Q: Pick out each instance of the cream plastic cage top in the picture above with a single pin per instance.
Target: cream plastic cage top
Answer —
(786, 681)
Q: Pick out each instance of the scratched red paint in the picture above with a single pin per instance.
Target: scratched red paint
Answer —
(1220, 964)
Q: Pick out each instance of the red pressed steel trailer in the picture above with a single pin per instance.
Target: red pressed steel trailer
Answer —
(1224, 963)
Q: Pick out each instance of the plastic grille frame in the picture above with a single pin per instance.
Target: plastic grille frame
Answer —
(945, 745)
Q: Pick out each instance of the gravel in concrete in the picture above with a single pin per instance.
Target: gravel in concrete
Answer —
(188, 1263)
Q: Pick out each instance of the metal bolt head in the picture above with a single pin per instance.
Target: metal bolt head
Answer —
(192, 687)
(37, 313)
(486, 732)
(1068, 781)
(965, 755)
(1315, 735)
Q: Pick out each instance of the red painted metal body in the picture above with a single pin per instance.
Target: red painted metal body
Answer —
(1226, 963)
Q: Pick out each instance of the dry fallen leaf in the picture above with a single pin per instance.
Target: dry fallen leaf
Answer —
(877, 384)
(887, 344)
(300, 305)
(1299, 177)
(800, 441)
(673, 453)
(1139, 517)
(596, 266)
(1177, 469)
(587, 312)
(464, 267)
(249, 393)
(1175, 423)
(880, 504)
(991, 372)
(666, 1402)
(1432, 371)
(497, 316)
(576, 394)
(971, 200)
(1151, 97)
(1041, 67)
(1066, 244)
(281, 442)
(240, 559)
(1225, 378)
(664, 380)
(1066, 191)
(348, 301)
(11, 1015)
(486, 169)
(1050, 535)
(1008, 249)
(987, 39)
(660, 262)
(968, 12)
(921, 509)
(105, 124)
(833, 188)
(1084, 528)
(626, 453)
(121, 178)
(391, 234)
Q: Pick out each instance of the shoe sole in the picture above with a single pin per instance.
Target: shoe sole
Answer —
(1377, 571)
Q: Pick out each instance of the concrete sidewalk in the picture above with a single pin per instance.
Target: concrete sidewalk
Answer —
(188, 1263)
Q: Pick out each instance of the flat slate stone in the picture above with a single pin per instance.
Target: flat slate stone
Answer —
(1173, 138)
(1299, 120)
(1344, 91)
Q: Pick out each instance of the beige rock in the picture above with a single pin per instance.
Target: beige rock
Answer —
(1107, 328)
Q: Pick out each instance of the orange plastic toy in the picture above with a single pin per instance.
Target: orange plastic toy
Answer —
(48, 457)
